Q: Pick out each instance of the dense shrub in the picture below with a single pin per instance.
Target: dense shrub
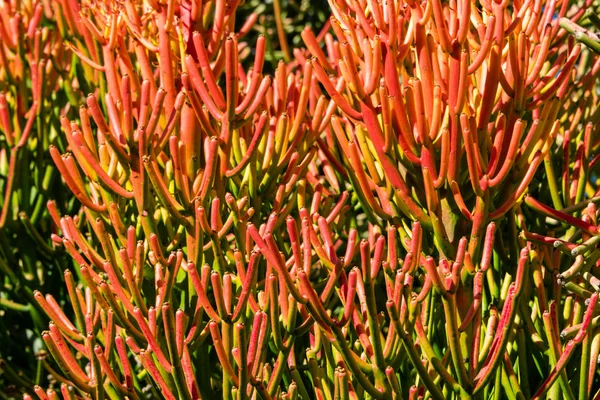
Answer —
(403, 206)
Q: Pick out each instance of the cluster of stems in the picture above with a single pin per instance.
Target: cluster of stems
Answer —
(372, 220)
(36, 86)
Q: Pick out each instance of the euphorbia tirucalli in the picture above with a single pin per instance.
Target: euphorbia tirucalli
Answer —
(36, 86)
(350, 227)
(448, 126)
